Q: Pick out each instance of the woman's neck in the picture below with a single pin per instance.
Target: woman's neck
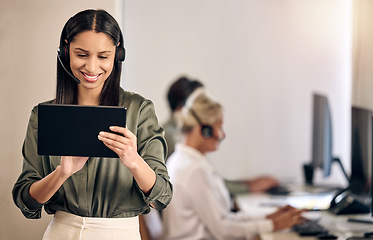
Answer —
(193, 143)
(88, 97)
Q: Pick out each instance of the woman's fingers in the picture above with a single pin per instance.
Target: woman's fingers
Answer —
(124, 131)
(112, 138)
(125, 136)
(124, 144)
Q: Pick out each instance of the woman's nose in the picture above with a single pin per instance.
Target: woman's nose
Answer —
(221, 135)
(92, 65)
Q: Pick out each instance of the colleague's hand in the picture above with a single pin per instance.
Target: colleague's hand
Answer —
(70, 165)
(125, 145)
(286, 217)
(261, 184)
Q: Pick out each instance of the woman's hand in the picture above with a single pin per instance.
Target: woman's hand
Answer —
(286, 217)
(125, 145)
(44, 189)
(261, 184)
(70, 165)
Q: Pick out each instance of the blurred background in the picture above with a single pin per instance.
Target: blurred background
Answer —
(263, 60)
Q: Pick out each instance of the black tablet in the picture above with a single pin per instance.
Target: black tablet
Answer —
(72, 130)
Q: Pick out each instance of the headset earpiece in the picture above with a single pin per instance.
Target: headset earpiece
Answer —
(63, 52)
(207, 131)
(120, 54)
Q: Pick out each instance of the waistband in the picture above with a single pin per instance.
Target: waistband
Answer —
(98, 223)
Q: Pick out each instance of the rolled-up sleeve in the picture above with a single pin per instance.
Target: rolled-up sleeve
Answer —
(31, 172)
(153, 149)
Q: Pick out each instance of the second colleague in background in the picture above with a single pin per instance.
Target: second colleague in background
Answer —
(177, 94)
(201, 205)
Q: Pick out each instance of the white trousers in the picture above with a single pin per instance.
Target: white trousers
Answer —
(67, 226)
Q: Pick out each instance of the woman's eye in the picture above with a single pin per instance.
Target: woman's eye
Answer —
(82, 55)
(102, 57)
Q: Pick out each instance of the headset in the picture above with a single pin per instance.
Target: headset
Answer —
(63, 55)
(206, 130)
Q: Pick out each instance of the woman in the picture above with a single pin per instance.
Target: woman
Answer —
(176, 96)
(96, 198)
(201, 206)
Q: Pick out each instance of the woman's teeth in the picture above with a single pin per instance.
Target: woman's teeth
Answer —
(91, 77)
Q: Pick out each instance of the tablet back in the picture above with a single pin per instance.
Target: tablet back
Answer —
(72, 130)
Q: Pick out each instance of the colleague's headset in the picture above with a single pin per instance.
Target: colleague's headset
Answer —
(206, 130)
(63, 55)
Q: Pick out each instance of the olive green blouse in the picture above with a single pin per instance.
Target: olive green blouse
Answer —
(104, 187)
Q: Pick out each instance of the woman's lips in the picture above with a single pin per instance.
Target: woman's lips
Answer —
(90, 78)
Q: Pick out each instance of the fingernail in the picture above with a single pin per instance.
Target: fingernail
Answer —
(111, 128)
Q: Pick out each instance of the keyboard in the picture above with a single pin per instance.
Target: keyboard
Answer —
(309, 228)
(279, 190)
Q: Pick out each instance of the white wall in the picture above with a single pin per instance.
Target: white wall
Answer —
(262, 60)
(363, 54)
(29, 38)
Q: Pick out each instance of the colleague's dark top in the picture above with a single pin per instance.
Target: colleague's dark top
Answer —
(103, 187)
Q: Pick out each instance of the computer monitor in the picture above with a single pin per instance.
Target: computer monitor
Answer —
(361, 152)
(371, 177)
(322, 140)
(357, 197)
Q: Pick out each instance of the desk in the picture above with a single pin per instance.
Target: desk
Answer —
(263, 204)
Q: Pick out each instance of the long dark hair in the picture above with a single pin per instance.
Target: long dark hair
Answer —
(87, 20)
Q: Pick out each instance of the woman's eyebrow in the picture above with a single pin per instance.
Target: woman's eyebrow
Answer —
(81, 49)
(105, 52)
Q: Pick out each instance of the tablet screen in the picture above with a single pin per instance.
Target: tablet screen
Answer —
(72, 130)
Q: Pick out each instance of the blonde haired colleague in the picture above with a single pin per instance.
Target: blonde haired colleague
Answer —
(201, 205)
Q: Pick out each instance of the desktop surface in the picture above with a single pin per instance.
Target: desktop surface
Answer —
(301, 197)
(261, 204)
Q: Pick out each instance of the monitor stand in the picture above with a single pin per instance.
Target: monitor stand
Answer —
(308, 170)
(342, 168)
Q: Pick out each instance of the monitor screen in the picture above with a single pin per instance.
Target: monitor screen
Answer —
(322, 140)
(322, 135)
(361, 152)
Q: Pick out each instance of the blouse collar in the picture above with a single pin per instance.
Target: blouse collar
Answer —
(194, 155)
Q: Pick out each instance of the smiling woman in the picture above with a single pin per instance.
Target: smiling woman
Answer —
(96, 198)
(92, 47)
(91, 61)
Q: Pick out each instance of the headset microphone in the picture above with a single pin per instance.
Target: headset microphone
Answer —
(63, 66)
